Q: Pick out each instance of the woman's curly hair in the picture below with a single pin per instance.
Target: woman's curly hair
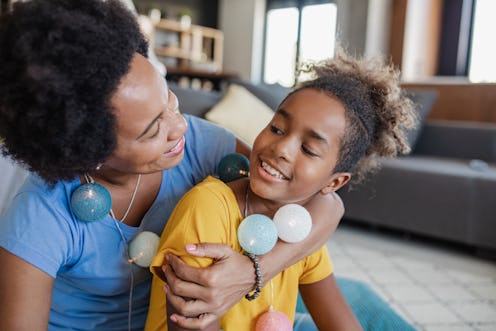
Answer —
(377, 111)
(61, 62)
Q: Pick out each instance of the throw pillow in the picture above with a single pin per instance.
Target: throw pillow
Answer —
(424, 101)
(241, 112)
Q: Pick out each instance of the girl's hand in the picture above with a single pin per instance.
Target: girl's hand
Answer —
(207, 293)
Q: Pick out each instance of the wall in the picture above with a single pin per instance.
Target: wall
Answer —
(422, 35)
(459, 100)
(242, 22)
(377, 29)
(416, 53)
(352, 25)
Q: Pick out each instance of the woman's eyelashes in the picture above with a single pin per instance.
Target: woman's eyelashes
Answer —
(156, 131)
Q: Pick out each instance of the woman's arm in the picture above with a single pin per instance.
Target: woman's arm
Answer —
(25, 294)
(328, 307)
(218, 287)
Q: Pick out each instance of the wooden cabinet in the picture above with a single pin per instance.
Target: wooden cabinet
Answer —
(193, 47)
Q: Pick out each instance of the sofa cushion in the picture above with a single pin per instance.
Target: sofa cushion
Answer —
(424, 101)
(457, 139)
(241, 112)
(271, 94)
(195, 102)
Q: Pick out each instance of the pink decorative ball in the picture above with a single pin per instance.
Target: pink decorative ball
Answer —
(273, 321)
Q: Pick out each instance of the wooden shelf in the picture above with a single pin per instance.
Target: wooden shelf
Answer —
(217, 79)
(173, 51)
(198, 47)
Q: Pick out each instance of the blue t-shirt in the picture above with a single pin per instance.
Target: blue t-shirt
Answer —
(89, 259)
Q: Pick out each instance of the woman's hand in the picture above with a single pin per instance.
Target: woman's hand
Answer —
(215, 289)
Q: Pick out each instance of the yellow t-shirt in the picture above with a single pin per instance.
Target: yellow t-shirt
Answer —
(209, 212)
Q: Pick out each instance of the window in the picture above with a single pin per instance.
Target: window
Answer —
(483, 52)
(296, 32)
(466, 47)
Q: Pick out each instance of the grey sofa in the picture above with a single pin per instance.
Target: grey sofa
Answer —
(445, 189)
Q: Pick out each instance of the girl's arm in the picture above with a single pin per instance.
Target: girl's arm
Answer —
(328, 307)
(326, 211)
(218, 287)
(25, 294)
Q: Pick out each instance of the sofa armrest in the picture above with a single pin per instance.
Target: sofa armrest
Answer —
(465, 140)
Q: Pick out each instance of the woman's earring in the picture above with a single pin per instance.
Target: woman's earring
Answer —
(99, 165)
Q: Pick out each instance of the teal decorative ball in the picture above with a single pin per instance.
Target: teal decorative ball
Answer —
(91, 202)
(257, 234)
(233, 166)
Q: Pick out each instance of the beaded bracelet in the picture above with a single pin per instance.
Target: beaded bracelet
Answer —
(258, 277)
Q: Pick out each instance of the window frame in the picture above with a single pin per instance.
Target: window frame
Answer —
(279, 4)
(456, 38)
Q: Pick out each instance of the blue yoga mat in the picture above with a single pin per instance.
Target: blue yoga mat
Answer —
(373, 313)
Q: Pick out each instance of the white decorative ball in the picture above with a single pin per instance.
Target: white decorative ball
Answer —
(293, 223)
(143, 247)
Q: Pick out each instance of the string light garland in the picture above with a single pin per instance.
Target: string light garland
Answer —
(91, 202)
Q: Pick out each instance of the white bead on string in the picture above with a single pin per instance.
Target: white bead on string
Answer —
(143, 248)
(293, 223)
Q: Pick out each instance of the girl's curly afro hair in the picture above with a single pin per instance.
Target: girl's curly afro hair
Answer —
(378, 112)
(61, 61)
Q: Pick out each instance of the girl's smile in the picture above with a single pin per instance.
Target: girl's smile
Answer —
(270, 173)
(294, 156)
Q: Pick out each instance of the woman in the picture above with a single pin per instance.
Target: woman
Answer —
(80, 103)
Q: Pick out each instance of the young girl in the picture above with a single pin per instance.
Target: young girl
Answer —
(326, 129)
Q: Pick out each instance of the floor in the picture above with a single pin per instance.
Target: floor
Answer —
(435, 287)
